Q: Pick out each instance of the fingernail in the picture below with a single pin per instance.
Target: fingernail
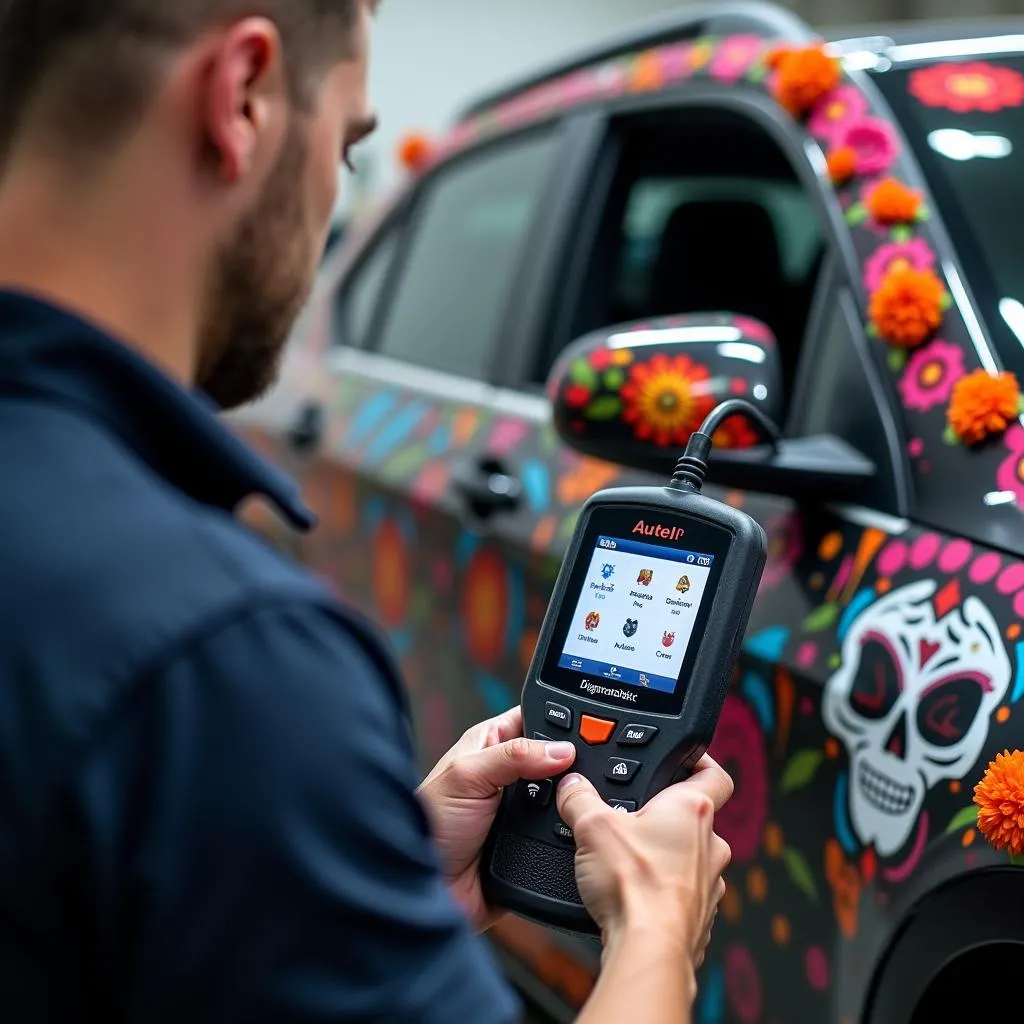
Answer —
(560, 751)
(569, 781)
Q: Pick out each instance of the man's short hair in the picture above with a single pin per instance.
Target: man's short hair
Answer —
(76, 74)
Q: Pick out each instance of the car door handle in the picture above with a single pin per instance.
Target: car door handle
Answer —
(307, 429)
(486, 485)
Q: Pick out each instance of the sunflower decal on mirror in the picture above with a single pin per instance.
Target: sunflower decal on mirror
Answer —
(666, 399)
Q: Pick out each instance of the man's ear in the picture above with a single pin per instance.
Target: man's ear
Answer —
(245, 97)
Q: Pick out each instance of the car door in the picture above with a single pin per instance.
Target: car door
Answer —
(663, 179)
(414, 467)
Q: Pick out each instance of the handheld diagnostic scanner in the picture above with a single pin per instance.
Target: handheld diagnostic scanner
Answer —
(635, 656)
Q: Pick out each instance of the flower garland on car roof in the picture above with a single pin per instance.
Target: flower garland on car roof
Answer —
(906, 297)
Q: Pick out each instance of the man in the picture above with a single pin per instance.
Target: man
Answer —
(208, 806)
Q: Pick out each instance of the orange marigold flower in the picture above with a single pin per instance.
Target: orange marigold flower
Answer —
(1000, 800)
(842, 162)
(803, 77)
(907, 306)
(647, 73)
(892, 202)
(774, 56)
(414, 151)
(983, 404)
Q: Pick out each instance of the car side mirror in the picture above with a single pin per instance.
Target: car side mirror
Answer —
(634, 393)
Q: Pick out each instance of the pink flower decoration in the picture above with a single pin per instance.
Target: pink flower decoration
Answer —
(785, 546)
(738, 747)
(753, 329)
(734, 57)
(676, 61)
(835, 111)
(743, 984)
(580, 87)
(916, 252)
(872, 140)
(930, 374)
(1010, 475)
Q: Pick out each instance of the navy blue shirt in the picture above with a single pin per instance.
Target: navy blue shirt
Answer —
(207, 786)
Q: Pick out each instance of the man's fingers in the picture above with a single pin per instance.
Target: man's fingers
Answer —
(509, 724)
(711, 779)
(577, 797)
(506, 763)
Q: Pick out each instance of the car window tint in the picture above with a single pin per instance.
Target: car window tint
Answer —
(653, 201)
(466, 242)
(358, 301)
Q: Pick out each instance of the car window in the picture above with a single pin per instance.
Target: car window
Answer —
(359, 298)
(704, 214)
(653, 201)
(465, 244)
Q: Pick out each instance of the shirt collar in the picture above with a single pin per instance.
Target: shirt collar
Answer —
(50, 353)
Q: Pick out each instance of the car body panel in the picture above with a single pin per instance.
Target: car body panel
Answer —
(843, 818)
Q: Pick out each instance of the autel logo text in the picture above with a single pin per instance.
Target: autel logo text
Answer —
(654, 530)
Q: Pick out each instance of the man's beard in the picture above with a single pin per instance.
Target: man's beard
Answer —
(262, 277)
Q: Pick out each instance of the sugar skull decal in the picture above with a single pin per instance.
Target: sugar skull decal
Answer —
(912, 701)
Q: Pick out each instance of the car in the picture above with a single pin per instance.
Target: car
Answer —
(715, 205)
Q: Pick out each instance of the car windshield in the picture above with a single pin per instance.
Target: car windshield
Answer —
(973, 161)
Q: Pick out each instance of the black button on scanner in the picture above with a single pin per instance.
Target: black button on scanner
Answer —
(633, 735)
(558, 715)
(622, 805)
(563, 831)
(621, 770)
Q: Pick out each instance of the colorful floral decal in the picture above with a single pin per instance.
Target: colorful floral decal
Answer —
(486, 602)
(930, 375)
(785, 546)
(739, 747)
(391, 583)
(968, 87)
(1010, 476)
(666, 399)
(736, 431)
(743, 985)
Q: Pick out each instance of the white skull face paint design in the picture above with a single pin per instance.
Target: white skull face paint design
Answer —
(912, 702)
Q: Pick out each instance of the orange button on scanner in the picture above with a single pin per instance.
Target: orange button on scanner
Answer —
(596, 730)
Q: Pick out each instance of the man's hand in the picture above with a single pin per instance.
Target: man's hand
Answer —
(463, 791)
(657, 871)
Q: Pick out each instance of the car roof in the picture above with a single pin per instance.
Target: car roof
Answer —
(726, 17)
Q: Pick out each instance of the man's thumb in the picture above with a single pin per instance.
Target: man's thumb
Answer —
(576, 796)
(506, 763)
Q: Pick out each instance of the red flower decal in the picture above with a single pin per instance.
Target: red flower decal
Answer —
(968, 87)
(667, 399)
